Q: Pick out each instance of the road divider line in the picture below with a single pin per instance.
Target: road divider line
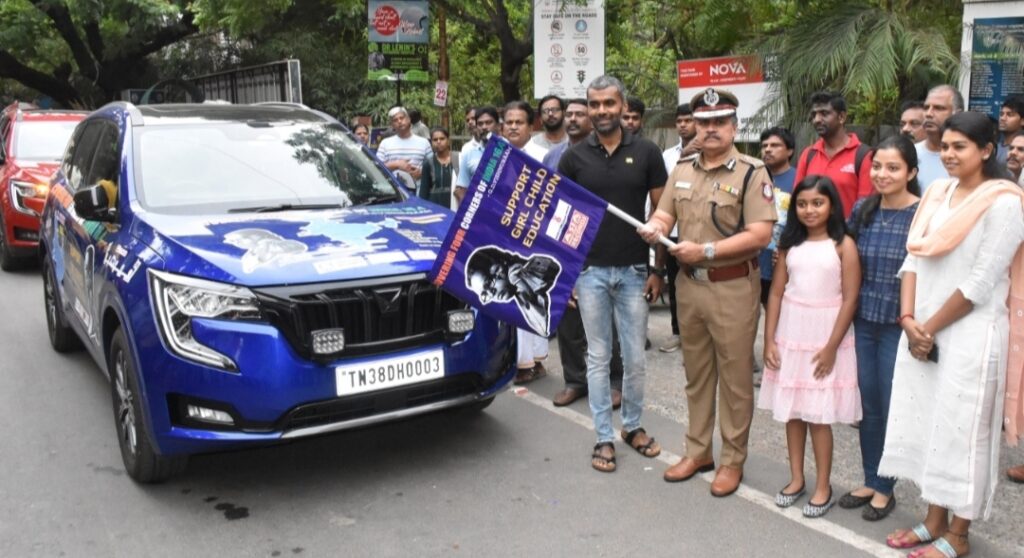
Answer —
(766, 501)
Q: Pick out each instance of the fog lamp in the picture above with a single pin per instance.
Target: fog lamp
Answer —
(204, 414)
(461, 321)
(328, 341)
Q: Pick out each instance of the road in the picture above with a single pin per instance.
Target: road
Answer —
(514, 480)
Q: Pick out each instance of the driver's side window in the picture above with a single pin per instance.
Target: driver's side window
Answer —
(81, 160)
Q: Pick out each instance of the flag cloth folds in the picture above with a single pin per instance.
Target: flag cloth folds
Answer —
(519, 240)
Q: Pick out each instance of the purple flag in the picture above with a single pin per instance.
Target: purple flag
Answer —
(519, 240)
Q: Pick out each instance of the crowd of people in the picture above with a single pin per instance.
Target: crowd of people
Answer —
(888, 275)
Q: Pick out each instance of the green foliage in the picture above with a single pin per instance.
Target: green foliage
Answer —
(876, 55)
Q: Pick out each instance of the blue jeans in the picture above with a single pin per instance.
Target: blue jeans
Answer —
(876, 357)
(606, 294)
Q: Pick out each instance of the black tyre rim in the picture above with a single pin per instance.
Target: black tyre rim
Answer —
(50, 297)
(125, 404)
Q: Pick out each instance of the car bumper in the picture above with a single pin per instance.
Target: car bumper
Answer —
(277, 395)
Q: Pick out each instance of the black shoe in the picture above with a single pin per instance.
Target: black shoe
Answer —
(849, 501)
(871, 513)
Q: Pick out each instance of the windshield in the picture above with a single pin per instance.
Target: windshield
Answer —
(227, 166)
(42, 141)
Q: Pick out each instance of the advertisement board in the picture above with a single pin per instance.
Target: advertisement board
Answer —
(568, 47)
(749, 77)
(398, 40)
(995, 73)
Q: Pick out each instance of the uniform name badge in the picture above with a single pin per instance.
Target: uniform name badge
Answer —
(684, 185)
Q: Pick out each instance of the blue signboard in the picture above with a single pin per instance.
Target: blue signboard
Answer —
(995, 71)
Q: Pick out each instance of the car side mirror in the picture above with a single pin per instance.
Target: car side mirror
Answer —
(407, 180)
(93, 204)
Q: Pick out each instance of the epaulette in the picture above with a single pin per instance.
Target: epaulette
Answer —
(691, 158)
(752, 161)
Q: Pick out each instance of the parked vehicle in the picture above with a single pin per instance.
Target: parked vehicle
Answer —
(247, 274)
(32, 143)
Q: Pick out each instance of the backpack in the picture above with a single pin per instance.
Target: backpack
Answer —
(858, 158)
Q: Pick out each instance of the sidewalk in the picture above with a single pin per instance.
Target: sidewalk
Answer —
(665, 396)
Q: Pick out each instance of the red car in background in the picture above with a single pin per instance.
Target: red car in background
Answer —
(32, 143)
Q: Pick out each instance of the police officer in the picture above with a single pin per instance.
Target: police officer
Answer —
(724, 204)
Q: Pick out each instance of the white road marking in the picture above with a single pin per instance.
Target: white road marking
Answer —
(766, 501)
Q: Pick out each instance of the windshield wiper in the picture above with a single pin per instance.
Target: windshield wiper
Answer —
(285, 207)
(379, 199)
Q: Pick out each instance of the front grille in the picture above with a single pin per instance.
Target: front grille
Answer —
(375, 403)
(378, 315)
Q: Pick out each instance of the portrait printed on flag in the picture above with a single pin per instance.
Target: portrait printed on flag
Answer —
(502, 276)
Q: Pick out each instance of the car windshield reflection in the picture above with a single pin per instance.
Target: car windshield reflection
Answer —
(238, 166)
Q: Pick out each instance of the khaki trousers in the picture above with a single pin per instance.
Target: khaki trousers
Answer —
(717, 325)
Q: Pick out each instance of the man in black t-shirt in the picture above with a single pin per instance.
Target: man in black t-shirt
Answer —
(623, 169)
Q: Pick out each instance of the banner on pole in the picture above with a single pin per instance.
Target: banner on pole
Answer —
(398, 40)
(519, 240)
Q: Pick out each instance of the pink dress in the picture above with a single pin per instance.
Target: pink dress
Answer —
(809, 308)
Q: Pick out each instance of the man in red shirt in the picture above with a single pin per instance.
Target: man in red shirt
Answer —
(838, 155)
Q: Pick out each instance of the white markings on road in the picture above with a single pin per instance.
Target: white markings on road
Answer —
(766, 501)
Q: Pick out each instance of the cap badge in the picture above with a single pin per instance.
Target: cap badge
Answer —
(711, 97)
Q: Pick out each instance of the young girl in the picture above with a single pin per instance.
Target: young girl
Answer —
(810, 370)
(879, 224)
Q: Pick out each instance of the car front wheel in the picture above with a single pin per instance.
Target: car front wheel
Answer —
(63, 339)
(8, 261)
(141, 461)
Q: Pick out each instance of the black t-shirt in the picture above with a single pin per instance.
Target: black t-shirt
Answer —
(623, 179)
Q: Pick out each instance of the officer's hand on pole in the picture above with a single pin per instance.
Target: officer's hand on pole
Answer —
(688, 252)
(650, 232)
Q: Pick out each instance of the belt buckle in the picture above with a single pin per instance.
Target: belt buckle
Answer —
(699, 274)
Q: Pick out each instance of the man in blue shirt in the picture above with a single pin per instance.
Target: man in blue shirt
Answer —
(486, 122)
(777, 146)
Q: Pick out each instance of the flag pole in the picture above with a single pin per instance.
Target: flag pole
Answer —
(629, 219)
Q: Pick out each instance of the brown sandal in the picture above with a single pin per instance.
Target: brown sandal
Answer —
(650, 449)
(601, 460)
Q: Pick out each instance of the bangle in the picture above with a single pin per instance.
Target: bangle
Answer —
(899, 320)
(659, 271)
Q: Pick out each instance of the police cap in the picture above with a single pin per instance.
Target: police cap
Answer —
(713, 103)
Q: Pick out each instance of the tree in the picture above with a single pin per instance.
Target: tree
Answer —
(511, 24)
(83, 53)
(877, 53)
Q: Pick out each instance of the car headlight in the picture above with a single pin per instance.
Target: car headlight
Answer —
(22, 190)
(177, 299)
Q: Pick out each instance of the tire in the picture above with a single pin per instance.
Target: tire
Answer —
(142, 463)
(8, 261)
(63, 339)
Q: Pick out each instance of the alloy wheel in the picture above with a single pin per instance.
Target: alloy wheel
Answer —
(125, 404)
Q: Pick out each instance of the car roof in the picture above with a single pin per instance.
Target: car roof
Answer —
(180, 113)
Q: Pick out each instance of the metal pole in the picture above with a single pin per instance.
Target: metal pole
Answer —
(398, 89)
(629, 219)
(442, 61)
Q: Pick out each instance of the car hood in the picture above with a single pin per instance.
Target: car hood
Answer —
(34, 171)
(302, 246)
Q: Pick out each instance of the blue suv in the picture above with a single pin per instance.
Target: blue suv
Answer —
(246, 274)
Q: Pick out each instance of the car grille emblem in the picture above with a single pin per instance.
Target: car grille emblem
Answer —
(389, 301)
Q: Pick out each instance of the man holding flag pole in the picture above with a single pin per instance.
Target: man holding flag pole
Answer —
(525, 237)
(615, 283)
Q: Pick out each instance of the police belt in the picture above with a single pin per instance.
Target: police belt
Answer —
(716, 274)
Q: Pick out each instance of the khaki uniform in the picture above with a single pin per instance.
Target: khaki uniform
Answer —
(718, 319)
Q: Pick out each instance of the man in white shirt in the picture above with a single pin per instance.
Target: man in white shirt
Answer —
(942, 102)
(552, 117)
(470, 131)
(403, 151)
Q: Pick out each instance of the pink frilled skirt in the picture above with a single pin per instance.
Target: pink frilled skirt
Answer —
(792, 391)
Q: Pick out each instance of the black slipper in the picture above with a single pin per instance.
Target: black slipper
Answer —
(871, 513)
(849, 501)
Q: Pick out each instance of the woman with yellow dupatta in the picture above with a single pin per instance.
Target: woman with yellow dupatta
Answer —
(950, 378)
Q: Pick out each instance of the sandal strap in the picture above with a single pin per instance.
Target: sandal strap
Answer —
(628, 438)
(922, 533)
(943, 546)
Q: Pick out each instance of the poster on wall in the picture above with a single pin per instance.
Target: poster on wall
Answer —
(398, 40)
(568, 47)
(995, 73)
(747, 77)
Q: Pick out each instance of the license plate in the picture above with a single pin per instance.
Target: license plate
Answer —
(389, 372)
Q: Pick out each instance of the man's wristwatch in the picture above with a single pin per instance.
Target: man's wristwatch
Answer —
(709, 250)
(659, 271)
